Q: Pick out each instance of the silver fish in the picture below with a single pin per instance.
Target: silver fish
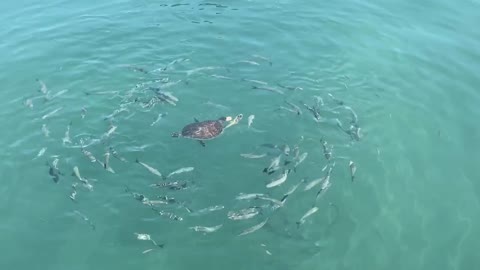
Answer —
(275, 90)
(254, 228)
(255, 81)
(248, 62)
(280, 180)
(150, 169)
(250, 120)
(143, 236)
(76, 172)
(243, 214)
(253, 156)
(243, 196)
(196, 70)
(43, 86)
(354, 115)
(353, 169)
(59, 93)
(66, 139)
(206, 229)
(159, 117)
(274, 165)
(41, 152)
(208, 209)
(51, 113)
(45, 130)
(220, 77)
(276, 202)
(263, 58)
(339, 102)
(84, 112)
(291, 88)
(170, 96)
(310, 212)
(110, 131)
(301, 158)
(313, 183)
(181, 170)
(295, 107)
(89, 155)
(290, 191)
(115, 154)
(28, 102)
(106, 165)
(85, 218)
(286, 149)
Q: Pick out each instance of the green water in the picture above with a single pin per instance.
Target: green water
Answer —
(409, 70)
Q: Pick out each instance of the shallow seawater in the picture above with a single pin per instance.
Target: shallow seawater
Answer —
(407, 70)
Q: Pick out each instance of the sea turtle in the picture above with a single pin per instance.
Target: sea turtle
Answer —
(206, 130)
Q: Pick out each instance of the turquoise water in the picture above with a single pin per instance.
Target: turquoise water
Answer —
(408, 69)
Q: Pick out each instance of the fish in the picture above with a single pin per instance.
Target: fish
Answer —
(45, 130)
(89, 155)
(159, 117)
(59, 93)
(51, 113)
(290, 191)
(66, 139)
(143, 236)
(177, 185)
(181, 170)
(84, 181)
(353, 169)
(206, 229)
(196, 70)
(43, 87)
(253, 156)
(115, 154)
(295, 107)
(276, 202)
(319, 100)
(243, 214)
(250, 120)
(243, 196)
(85, 218)
(254, 228)
(115, 113)
(220, 77)
(208, 209)
(280, 180)
(53, 171)
(41, 152)
(313, 183)
(278, 91)
(301, 158)
(339, 102)
(354, 115)
(274, 165)
(169, 215)
(147, 250)
(28, 102)
(255, 81)
(110, 131)
(286, 149)
(263, 58)
(84, 113)
(106, 165)
(150, 169)
(287, 109)
(76, 173)
(291, 88)
(310, 212)
(326, 152)
(253, 63)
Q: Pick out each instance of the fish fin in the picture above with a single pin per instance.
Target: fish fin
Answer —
(202, 143)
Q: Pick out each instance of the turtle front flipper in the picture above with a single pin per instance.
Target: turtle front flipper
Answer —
(202, 143)
(196, 120)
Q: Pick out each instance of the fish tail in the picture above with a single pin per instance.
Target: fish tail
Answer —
(254, 87)
(287, 162)
(265, 170)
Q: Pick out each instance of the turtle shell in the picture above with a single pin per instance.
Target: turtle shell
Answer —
(205, 130)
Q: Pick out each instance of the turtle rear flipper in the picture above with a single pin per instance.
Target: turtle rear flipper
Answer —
(202, 143)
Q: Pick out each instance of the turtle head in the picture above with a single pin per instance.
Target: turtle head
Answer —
(225, 118)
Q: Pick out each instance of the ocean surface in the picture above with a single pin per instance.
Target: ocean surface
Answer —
(391, 86)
